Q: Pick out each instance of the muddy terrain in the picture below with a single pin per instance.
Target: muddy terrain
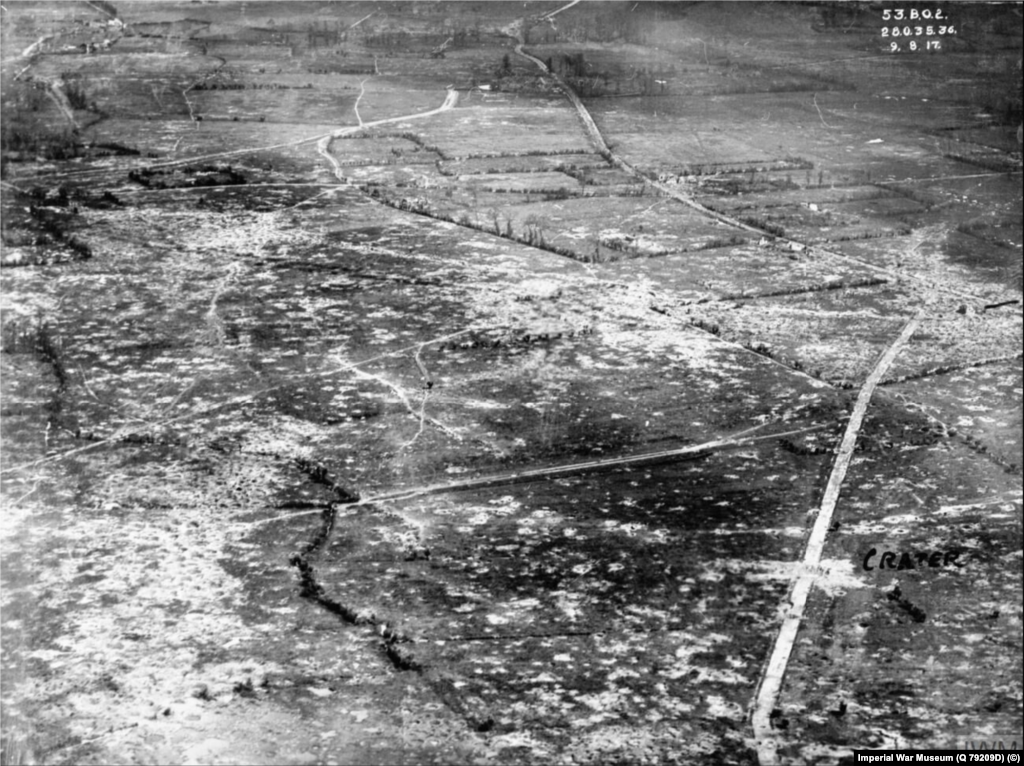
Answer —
(417, 382)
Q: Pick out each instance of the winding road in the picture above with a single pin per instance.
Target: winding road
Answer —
(324, 144)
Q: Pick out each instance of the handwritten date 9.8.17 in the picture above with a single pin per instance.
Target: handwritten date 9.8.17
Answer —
(911, 23)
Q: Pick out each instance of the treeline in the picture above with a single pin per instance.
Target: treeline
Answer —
(618, 23)
(249, 86)
(49, 214)
(402, 39)
(188, 178)
(532, 233)
(321, 35)
(28, 142)
(846, 15)
(74, 91)
(19, 142)
(587, 80)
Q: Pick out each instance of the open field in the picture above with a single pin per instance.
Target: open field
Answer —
(464, 383)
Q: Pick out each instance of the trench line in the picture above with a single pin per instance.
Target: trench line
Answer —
(775, 671)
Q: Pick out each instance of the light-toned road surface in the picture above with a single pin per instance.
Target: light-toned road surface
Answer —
(598, 141)
(775, 671)
(324, 143)
(594, 133)
(692, 450)
(450, 101)
(563, 8)
(587, 619)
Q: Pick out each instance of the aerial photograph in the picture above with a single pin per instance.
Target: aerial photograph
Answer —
(488, 383)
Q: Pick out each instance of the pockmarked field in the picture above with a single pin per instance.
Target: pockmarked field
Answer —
(485, 382)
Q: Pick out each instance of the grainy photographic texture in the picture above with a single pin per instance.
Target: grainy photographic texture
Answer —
(509, 383)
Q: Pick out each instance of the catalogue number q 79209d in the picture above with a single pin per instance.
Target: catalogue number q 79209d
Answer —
(916, 22)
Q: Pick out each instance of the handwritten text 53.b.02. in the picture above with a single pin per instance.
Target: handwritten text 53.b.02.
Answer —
(923, 26)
